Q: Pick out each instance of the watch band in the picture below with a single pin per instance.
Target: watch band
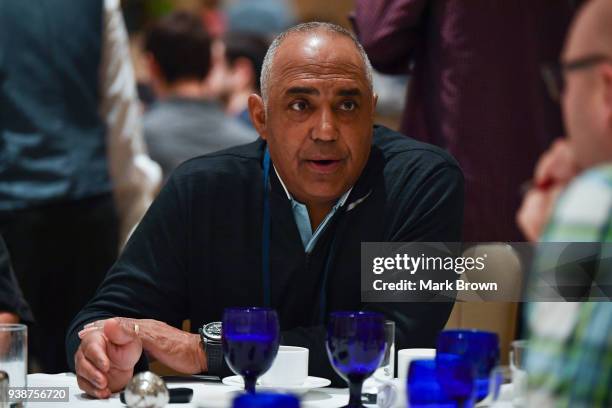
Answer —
(214, 356)
(212, 348)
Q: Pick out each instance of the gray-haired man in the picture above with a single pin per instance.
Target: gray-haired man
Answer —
(321, 180)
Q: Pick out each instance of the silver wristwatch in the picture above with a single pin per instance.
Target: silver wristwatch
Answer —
(210, 335)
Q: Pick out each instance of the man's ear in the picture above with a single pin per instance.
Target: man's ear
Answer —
(374, 102)
(257, 111)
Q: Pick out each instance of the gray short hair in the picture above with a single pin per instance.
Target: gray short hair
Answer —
(308, 28)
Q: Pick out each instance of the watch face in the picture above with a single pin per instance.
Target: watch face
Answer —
(212, 331)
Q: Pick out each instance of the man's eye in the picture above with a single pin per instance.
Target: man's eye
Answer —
(348, 106)
(298, 106)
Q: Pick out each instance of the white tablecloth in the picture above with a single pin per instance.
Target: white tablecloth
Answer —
(205, 395)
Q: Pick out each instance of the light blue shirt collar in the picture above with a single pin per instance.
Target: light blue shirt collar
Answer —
(302, 219)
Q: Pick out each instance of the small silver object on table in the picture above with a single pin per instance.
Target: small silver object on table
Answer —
(146, 390)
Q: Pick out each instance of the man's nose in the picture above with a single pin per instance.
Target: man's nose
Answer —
(326, 129)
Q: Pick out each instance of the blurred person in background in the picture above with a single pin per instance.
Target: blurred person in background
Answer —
(74, 175)
(475, 89)
(570, 353)
(244, 54)
(266, 18)
(13, 307)
(186, 121)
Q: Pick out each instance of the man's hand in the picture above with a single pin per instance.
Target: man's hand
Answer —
(5, 338)
(536, 211)
(105, 359)
(555, 169)
(177, 349)
(557, 166)
(8, 317)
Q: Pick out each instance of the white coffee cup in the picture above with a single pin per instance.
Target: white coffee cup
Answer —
(290, 367)
(405, 356)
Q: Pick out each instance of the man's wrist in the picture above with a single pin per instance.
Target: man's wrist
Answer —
(200, 354)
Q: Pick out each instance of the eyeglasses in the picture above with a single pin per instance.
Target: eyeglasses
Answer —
(554, 74)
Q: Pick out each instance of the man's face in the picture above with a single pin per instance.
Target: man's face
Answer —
(578, 115)
(585, 113)
(319, 117)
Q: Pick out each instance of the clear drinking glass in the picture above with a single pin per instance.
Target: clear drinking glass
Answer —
(374, 387)
(386, 369)
(14, 353)
(518, 354)
(499, 393)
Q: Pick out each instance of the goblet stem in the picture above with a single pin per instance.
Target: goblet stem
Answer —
(355, 394)
(249, 384)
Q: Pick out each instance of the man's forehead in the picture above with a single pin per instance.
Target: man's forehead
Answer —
(318, 55)
(590, 31)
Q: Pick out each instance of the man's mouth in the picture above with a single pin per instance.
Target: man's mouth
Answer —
(324, 166)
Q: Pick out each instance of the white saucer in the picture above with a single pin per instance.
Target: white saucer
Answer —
(310, 384)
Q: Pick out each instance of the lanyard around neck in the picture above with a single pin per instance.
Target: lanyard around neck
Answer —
(265, 250)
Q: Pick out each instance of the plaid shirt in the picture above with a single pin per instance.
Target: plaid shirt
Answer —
(570, 359)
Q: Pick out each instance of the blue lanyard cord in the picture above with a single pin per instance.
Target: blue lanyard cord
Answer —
(265, 250)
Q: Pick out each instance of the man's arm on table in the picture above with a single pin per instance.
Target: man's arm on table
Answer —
(148, 281)
(434, 213)
(144, 284)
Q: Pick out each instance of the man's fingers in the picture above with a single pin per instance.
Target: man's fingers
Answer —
(543, 169)
(91, 390)
(120, 331)
(558, 165)
(87, 370)
(535, 211)
(97, 323)
(94, 349)
(124, 347)
(87, 330)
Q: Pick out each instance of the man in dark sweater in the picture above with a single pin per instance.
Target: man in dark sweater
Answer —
(321, 180)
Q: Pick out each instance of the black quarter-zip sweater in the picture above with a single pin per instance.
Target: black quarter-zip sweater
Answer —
(199, 247)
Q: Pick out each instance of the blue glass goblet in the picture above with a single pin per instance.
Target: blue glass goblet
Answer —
(266, 400)
(480, 348)
(423, 387)
(250, 339)
(456, 376)
(355, 346)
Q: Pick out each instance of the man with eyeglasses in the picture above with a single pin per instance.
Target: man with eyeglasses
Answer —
(570, 356)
